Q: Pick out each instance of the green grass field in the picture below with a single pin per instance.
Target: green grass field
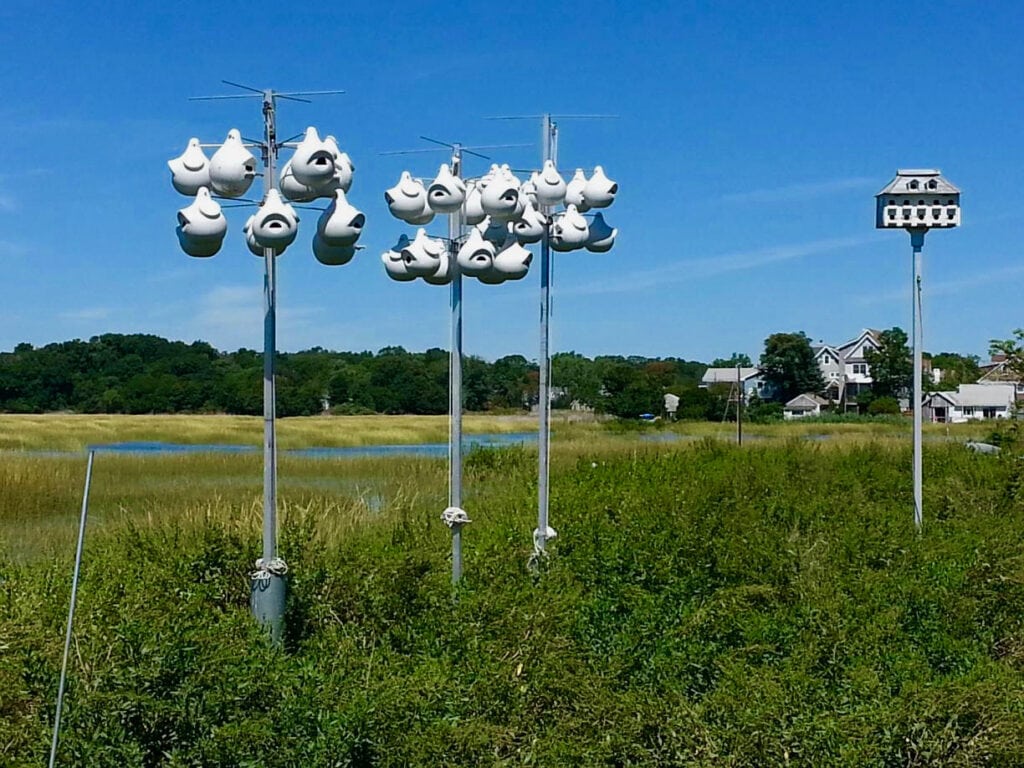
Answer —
(705, 605)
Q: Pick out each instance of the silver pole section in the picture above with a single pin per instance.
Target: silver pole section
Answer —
(917, 243)
(268, 586)
(455, 381)
(739, 406)
(71, 609)
(540, 535)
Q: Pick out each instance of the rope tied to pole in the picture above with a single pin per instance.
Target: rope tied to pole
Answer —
(265, 569)
(453, 516)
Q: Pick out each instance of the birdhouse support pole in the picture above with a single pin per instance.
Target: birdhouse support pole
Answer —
(455, 382)
(917, 244)
(267, 597)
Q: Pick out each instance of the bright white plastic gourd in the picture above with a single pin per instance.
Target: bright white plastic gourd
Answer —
(313, 161)
(190, 170)
(232, 167)
(407, 200)
(599, 191)
(201, 225)
(422, 256)
(275, 224)
(394, 263)
(476, 256)
(446, 192)
(574, 191)
(569, 230)
(601, 236)
(341, 224)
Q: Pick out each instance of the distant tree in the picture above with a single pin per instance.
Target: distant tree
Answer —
(891, 366)
(737, 358)
(956, 369)
(884, 406)
(628, 392)
(577, 377)
(1013, 350)
(789, 365)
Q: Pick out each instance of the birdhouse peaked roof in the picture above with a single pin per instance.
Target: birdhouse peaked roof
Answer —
(904, 184)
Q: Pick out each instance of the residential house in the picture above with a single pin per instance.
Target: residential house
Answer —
(843, 367)
(751, 380)
(971, 402)
(998, 371)
(801, 406)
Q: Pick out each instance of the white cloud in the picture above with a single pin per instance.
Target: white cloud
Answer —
(86, 313)
(944, 287)
(712, 266)
(801, 191)
(231, 316)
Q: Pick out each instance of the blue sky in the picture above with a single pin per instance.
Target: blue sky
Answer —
(751, 140)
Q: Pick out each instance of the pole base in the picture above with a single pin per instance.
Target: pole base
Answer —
(267, 601)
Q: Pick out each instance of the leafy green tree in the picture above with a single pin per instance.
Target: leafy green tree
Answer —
(956, 369)
(628, 392)
(737, 358)
(789, 365)
(891, 367)
(578, 377)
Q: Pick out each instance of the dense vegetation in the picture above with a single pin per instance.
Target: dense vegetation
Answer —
(709, 606)
(141, 373)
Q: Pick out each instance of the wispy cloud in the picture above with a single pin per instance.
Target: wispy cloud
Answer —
(231, 316)
(712, 266)
(86, 313)
(800, 191)
(945, 287)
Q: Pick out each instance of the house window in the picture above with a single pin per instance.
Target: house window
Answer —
(913, 184)
(968, 410)
(988, 413)
(860, 369)
(933, 184)
(951, 213)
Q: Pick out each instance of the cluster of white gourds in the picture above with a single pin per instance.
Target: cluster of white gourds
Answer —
(317, 169)
(505, 214)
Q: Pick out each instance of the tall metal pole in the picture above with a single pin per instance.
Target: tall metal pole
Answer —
(268, 583)
(71, 609)
(916, 244)
(456, 520)
(739, 406)
(540, 535)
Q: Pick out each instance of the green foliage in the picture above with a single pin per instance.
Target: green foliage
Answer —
(789, 366)
(956, 369)
(708, 606)
(891, 366)
(736, 358)
(884, 405)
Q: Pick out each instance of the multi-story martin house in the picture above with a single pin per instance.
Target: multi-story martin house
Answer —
(917, 199)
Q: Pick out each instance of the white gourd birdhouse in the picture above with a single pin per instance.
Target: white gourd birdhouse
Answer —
(500, 197)
(446, 192)
(513, 262)
(232, 167)
(494, 230)
(569, 230)
(275, 224)
(550, 185)
(313, 161)
(472, 210)
(344, 169)
(574, 191)
(528, 191)
(422, 256)
(341, 224)
(190, 170)
(476, 256)
(601, 236)
(918, 199)
(294, 190)
(599, 191)
(444, 273)
(407, 200)
(394, 262)
(201, 225)
(530, 226)
(332, 255)
(250, 241)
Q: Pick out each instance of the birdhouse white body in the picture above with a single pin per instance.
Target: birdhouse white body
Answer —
(918, 199)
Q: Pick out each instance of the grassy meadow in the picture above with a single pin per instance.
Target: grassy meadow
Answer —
(705, 605)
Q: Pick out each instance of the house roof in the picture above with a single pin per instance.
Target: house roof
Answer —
(904, 176)
(727, 375)
(806, 400)
(980, 395)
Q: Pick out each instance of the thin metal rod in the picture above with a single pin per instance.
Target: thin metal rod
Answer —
(917, 244)
(455, 376)
(71, 609)
(269, 350)
(739, 406)
(540, 535)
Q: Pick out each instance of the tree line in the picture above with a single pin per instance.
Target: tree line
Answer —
(141, 373)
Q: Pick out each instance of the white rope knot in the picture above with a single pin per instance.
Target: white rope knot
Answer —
(453, 516)
(265, 569)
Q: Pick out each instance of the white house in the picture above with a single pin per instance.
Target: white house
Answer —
(750, 378)
(998, 371)
(807, 404)
(843, 367)
(971, 402)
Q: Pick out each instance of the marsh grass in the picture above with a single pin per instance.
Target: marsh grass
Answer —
(705, 605)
